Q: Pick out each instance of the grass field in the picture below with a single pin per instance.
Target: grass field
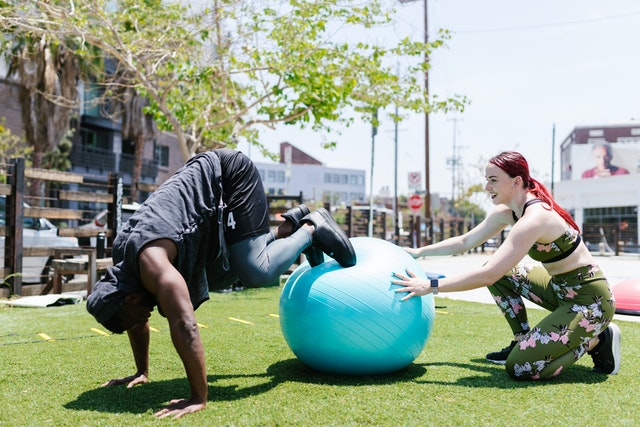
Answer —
(53, 364)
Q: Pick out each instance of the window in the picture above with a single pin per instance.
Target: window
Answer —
(612, 225)
(358, 197)
(356, 179)
(161, 155)
(128, 147)
(91, 138)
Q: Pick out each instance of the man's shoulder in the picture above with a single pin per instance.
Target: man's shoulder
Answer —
(617, 170)
(589, 173)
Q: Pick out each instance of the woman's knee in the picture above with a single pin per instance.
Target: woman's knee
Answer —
(532, 366)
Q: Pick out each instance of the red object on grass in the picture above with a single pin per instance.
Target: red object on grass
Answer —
(627, 294)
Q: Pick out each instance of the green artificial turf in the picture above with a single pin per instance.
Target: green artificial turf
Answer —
(255, 380)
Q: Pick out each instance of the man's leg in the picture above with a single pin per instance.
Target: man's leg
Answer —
(262, 259)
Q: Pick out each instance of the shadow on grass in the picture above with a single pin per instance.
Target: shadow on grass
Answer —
(486, 374)
(153, 395)
(150, 397)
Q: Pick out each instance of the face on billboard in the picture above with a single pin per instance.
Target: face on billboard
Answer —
(601, 159)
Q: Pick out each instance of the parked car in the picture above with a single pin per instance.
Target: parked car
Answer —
(100, 221)
(37, 232)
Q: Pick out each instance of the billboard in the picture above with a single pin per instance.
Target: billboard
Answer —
(601, 159)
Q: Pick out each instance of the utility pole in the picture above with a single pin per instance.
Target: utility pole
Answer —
(427, 194)
(455, 162)
(396, 219)
(374, 132)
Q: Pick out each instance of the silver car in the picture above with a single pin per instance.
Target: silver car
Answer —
(38, 232)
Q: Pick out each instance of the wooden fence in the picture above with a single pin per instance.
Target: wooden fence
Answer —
(69, 200)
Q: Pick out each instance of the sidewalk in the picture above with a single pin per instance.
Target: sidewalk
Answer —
(616, 268)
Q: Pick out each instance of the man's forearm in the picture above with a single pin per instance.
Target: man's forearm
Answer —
(139, 340)
(186, 339)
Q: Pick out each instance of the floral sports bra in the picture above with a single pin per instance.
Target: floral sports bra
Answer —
(557, 250)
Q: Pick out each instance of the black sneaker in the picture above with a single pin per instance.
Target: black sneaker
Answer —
(314, 255)
(330, 238)
(500, 357)
(606, 355)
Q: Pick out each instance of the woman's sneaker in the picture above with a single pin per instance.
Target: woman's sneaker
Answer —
(606, 355)
(500, 357)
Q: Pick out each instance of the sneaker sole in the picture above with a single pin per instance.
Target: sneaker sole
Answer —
(497, 362)
(329, 231)
(615, 347)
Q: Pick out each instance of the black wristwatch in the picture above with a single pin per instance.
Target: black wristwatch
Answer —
(434, 286)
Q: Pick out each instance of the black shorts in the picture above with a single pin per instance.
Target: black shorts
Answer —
(247, 212)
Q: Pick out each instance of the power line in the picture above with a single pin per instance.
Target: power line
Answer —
(548, 25)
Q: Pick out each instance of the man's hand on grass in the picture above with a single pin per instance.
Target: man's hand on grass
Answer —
(130, 381)
(180, 407)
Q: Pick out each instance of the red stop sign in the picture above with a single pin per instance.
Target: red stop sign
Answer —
(415, 202)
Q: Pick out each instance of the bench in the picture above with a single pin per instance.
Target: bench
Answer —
(84, 262)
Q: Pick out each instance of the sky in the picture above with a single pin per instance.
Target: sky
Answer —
(532, 71)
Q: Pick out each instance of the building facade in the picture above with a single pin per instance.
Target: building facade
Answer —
(600, 185)
(98, 147)
(297, 172)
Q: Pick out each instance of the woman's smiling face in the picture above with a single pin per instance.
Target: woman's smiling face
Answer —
(499, 184)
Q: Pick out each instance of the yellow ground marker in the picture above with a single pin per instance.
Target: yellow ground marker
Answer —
(45, 337)
(99, 332)
(277, 316)
(151, 328)
(203, 326)
(246, 322)
(442, 312)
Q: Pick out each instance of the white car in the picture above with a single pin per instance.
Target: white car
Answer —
(100, 221)
(37, 232)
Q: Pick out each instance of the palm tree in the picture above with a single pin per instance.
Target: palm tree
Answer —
(138, 127)
(47, 73)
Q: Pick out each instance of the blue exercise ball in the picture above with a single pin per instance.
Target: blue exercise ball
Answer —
(348, 320)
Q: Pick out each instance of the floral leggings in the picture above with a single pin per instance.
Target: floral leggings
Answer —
(581, 306)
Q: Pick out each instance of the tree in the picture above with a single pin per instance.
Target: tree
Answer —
(11, 145)
(466, 208)
(47, 71)
(215, 75)
(137, 126)
(47, 74)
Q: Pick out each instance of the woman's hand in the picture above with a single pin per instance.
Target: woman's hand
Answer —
(130, 381)
(414, 286)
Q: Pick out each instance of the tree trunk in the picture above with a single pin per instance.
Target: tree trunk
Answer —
(47, 94)
(138, 127)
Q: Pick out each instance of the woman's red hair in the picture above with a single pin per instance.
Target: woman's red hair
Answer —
(514, 164)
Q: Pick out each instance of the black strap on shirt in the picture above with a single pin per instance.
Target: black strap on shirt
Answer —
(524, 208)
(565, 254)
